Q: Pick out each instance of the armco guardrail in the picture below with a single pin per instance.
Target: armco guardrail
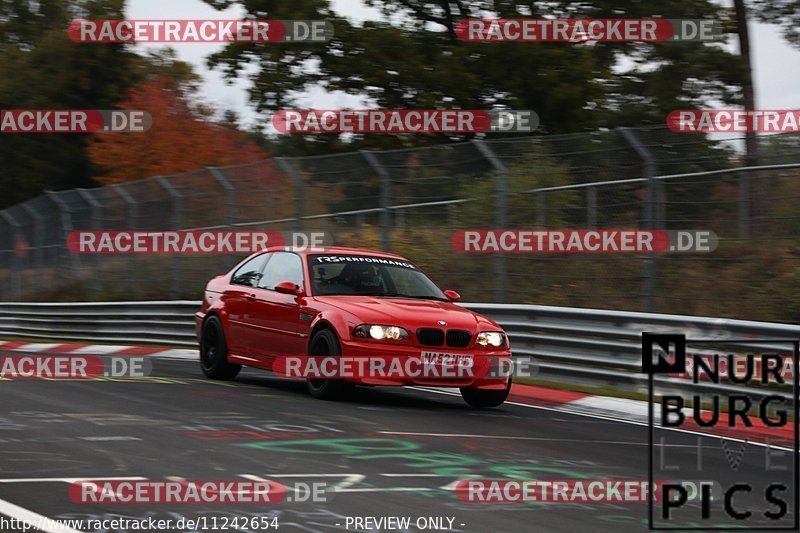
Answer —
(589, 346)
(168, 323)
(600, 347)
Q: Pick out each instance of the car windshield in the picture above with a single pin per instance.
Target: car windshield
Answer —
(360, 275)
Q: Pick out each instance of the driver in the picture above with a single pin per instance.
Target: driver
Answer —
(359, 277)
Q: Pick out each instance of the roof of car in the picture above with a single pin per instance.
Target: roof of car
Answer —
(329, 250)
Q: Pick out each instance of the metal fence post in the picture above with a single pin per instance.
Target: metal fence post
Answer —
(452, 216)
(132, 214)
(649, 215)
(16, 274)
(501, 216)
(386, 198)
(541, 213)
(38, 232)
(94, 206)
(591, 207)
(230, 205)
(177, 223)
(299, 192)
(97, 224)
(67, 227)
(230, 195)
(744, 205)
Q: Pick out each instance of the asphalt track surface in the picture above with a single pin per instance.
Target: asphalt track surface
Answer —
(383, 452)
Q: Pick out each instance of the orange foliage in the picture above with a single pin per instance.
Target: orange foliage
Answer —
(180, 139)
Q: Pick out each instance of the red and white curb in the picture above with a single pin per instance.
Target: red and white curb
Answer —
(98, 349)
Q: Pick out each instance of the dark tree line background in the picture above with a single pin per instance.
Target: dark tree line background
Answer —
(413, 62)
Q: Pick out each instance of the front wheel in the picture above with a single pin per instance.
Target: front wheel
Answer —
(485, 398)
(325, 343)
(214, 351)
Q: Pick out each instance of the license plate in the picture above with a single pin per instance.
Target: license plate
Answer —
(447, 359)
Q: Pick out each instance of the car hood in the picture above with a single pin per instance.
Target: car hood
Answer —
(406, 312)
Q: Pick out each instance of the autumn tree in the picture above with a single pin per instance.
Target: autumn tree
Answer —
(184, 135)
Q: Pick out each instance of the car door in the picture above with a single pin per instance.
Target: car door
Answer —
(275, 317)
(237, 300)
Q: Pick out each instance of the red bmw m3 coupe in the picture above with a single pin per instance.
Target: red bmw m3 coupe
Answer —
(349, 303)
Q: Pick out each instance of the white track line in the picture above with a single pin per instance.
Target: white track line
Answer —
(178, 353)
(35, 348)
(98, 349)
(70, 479)
(40, 522)
(620, 421)
(512, 437)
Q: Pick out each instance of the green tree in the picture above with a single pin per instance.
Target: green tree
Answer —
(784, 13)
(41, 68)
(416, 61)
(410, 65)
(657, 78)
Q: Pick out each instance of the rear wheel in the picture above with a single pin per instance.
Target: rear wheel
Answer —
(214, 351)
(325, 343)
(485, 398)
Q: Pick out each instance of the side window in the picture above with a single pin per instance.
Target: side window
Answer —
(284, 266)
(250, 272)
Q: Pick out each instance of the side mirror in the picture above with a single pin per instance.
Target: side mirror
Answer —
(287, 287)
(453, 296)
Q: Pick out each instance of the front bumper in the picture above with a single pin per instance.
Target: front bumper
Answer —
(489, 369)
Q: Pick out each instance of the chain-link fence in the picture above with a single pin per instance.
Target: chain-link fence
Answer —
(411, 201)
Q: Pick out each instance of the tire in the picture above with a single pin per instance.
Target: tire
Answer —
(214, 351)
(325, 342)
(485, 398)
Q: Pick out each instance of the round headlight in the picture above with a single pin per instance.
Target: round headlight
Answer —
(377, 332)
(491, 338)
(393, 332)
